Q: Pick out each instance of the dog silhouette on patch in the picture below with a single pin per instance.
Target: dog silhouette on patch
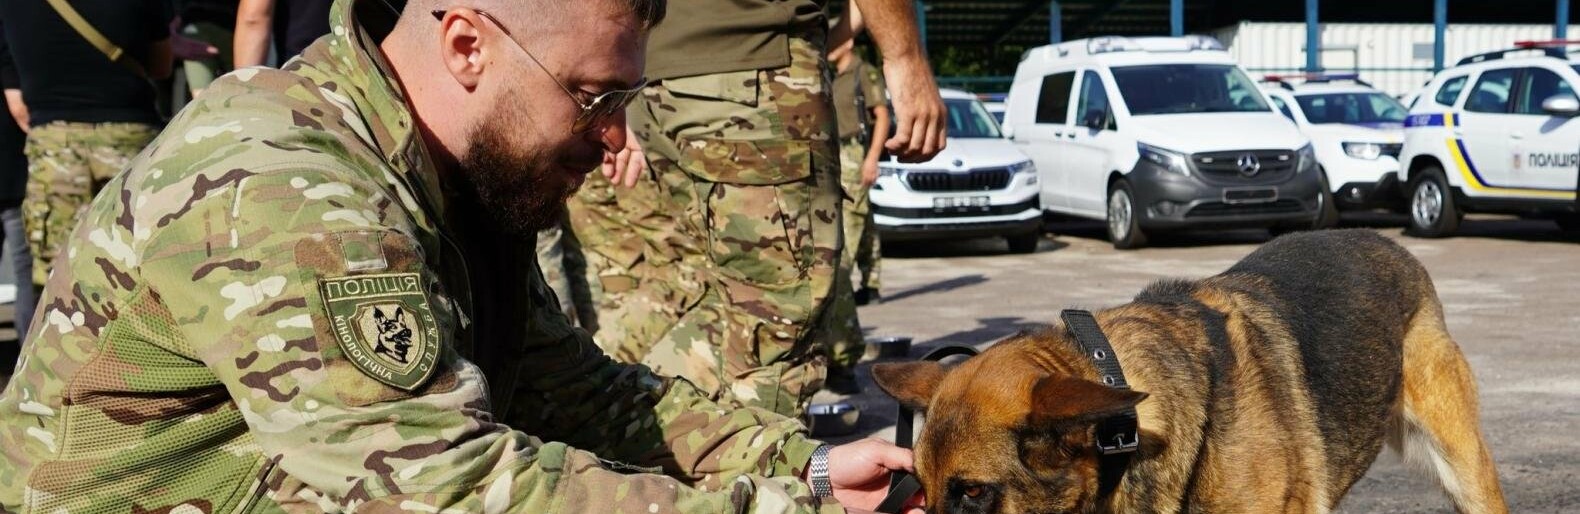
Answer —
(394, 339)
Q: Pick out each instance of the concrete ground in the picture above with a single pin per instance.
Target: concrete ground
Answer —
(1511, 290)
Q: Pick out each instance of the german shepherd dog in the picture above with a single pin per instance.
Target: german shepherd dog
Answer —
(1268, 388)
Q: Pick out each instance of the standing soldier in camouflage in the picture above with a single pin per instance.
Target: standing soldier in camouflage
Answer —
(316, 292)
(738, 128)
(861, 107)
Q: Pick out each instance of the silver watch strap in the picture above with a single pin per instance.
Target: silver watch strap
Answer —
(817, 473)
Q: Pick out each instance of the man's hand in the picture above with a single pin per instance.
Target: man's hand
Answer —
(869, 172)
(920, 128)
(860, 472)
(627, 165)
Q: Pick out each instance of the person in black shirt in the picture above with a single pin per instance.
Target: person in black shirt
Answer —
(292, 24)
(88, 114)
(13, 182)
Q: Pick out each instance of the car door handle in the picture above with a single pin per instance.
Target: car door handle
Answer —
(1516, 135)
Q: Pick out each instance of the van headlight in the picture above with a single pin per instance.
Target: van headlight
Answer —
(1166, 159)
(1368, 151)
(1306, 158)
(1024, 167)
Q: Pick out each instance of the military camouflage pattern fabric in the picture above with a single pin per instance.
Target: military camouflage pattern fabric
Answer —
(67, 164)
(748, 163)
(628, 245)
(560, 254)
(274, 309)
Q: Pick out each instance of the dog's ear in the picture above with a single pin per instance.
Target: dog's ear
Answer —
(910, 383)
(1064, 400)
(378, 314)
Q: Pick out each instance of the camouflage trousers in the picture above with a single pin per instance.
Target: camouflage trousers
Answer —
(565, 269)
(748, 164)
(847, 348)
(67, 164)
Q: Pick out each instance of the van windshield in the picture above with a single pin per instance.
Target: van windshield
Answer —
(967, 118)
(1187, 88)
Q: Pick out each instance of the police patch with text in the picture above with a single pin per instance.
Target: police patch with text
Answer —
(384, 326)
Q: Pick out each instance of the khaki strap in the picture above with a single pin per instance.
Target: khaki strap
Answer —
(97, 39)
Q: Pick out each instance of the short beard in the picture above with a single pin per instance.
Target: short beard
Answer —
(518, 193)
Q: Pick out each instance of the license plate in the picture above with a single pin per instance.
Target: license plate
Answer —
(1250, 195)
(960, 203)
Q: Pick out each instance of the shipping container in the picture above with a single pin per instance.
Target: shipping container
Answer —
(1395, 57)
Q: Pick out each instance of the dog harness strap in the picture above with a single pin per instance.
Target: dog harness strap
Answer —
(1117, 436)
(902, 485)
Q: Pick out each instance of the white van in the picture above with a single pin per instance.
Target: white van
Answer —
(1158, 133)
(979, 186)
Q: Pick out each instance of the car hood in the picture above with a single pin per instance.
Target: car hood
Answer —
(1216, 132)
(964, 153)
(1363, 133)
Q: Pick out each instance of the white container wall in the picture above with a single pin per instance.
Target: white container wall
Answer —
(1395, 57)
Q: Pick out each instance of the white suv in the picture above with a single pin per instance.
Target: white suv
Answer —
(1356, 131)
(1158, 133)
(979, 186)
(1495, 133)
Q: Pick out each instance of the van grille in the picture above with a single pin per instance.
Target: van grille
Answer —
(975, 180)
(1224, 167)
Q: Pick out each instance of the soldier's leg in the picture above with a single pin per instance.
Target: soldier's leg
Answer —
(580, 289)
(59, 179)
(847, 344)
(758, 185)
(551, 259)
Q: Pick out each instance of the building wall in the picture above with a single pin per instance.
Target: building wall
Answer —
(1395, 57)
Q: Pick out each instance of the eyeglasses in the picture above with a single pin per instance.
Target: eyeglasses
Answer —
(594, 113)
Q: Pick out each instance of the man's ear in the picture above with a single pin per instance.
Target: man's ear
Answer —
(460, 46)
(910, 383)
(1064, 400)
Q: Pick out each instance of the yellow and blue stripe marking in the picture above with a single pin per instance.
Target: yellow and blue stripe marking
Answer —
(1467, 168)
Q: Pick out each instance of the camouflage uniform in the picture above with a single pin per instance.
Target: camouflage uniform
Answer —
(748, 163)
(272, 310)
(858, 88)
(67, 164)
(559, 252)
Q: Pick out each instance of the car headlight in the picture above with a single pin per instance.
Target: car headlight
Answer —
(1306, 158)
(1368, 151)
(1166, 159)
(887, 171)
(1024, 167)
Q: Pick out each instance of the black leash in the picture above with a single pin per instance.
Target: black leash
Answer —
(903, 485)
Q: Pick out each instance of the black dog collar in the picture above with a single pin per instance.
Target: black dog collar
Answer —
(1117, 436)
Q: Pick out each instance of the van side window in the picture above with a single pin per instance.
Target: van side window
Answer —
(1447, 94)
(1283, 107)
(1492, 91)
(1093, 104)
(1536, 86)
(1053, 105)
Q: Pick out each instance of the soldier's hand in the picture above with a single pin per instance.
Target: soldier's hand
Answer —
(860, 472)
(920, 125)
(869, 172)
(627, 165)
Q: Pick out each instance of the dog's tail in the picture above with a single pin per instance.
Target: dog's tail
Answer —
(1436, 423)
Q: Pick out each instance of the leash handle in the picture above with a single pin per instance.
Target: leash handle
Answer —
(903, 485)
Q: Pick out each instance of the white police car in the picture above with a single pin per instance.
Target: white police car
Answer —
(1356, 132)
(1495, 133)
(979, 186)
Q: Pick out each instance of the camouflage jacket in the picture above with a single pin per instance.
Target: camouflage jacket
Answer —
(268, 312)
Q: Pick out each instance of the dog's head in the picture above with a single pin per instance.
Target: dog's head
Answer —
(394, 337)
(1008, 431)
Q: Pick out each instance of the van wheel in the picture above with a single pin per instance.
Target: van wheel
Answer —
(1023, 243)
(1327, 211)
(1432, 209)
(1124, 226)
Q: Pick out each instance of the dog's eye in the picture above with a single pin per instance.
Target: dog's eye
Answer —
(974, 491)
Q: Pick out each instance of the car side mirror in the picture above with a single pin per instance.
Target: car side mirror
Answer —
(1008, 131)
(1095, 119)
(1562, 104)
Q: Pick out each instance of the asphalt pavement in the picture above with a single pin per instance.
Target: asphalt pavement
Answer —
(1509, 288)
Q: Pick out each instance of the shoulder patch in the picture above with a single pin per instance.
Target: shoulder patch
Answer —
(384, 325)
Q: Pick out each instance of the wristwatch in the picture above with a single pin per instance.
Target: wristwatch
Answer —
(817, 473)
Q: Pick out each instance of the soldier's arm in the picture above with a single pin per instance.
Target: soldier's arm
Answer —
(920, 125)
(334, 340)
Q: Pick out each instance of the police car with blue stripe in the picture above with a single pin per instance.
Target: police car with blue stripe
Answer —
(1356, 132)
(1495, 133)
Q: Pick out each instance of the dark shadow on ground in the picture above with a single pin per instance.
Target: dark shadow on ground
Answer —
(969, 247)
(941, 286)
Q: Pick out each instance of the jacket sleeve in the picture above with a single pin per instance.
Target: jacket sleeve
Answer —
(316, 309)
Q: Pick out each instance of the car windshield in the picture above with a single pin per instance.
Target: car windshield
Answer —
(1187, 88)
(1353, 108)
(967, 118)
